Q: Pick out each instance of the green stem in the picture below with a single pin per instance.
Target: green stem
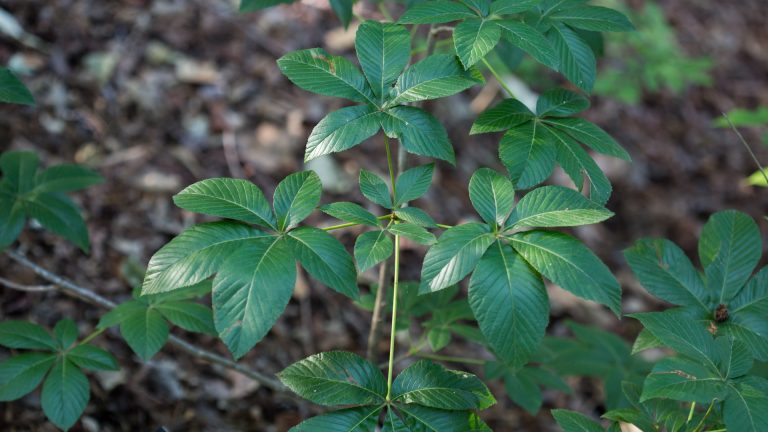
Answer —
(499, 78)
(444, 226)
(395, 284)
(340, 226)
(700, 426)
(690, 413)
(744, 142)
(92, 336)
(451, 359)
(390, 165)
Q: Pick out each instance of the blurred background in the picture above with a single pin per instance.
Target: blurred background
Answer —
(157, 94)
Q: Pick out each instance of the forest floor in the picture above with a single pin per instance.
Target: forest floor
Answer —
(146, 92)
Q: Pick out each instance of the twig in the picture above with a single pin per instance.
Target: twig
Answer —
(89, 296)
(232, 156)
(26, 288)
(377, 320)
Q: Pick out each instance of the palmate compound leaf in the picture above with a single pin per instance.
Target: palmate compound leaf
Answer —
(454, 256)
(65, 393)
(492, 195)
(429, 384)
(227, 198)
(568, 263)
(510, 303)
(555, 206)
(336, 378)
(383, 50)
(296, 196)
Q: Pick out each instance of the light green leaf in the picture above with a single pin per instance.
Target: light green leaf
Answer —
(577, 61)
(145, 331)
(18, 334)
(591, 135)
(510, 303)
(66, 178)
(594, 18)
(429, 384)
(371, 248)
(474, 38)
(251, 291)
(413, 232)
(419, 132)
(559, 102)
(361, 419)
(383, 50)
(507, 7)
(65, 332)
(296, 197)
(415, 216)
(196, 254)
(20, 374)
(342, 130)
(454, 256)
(729, 249)
(571, 421)
(190, 316)
(91, 357)
(228, 198)
(434, 77)
(19, 168)
(492, 195)
(319, 72)
(65, 394)
(505, 115)
(528, 153)
(556, 206)
(435, 12)
(375, 189)
(530, 40)
(12, 90)
(325, 259)
(350, 212)
(413, 183)
(568, 263)
(336, 378)
(59, 214)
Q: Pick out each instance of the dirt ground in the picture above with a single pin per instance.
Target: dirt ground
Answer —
(158, 94)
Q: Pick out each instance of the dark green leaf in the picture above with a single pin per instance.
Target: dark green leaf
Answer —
(577, 163)
(482, 7)
(66, 178)
(190, 316)
(429, 384)
(19, 168)
(383, 50)
(20, 374)
(530, 40)
(474, 38)
(371, 248)
(91, 357)
(492, 195)
(59, 214)
(528, 153)
(419, 132)
(591, 135)
(506, 115)
(571, 421)
(65, 394)
(560, 103)
(65, 332)
(556, 206)
(375, 189)
(577, 61)
(11, 219)
(454, 256)
(361, 419)
(507, 7)
(682, 334)
(746, 405)
(12, 90)
(594, 18)
(350, 212)
(413, 232)
(122, 312)
(296, 197)
(423, 419)
(343, 10)
(415, 216)
(325, 259)
(413, 183)
(342, 130)
(228, 198)
(25, 335)
(684, 380)
(145, 331)
(254, 5)
(435, 12)
(434, 77)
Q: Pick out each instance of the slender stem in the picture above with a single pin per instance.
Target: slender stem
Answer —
(385, 12)
(749, 149)
(452, 359)
(499, 78)
(374, 336)
(26, 288)
(340, 226)
(444, 226)
(395, 284)
(92, 336)
(690, 413)
(390, 165)
(700, 426)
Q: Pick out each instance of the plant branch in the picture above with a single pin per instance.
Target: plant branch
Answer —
(91, 297)
(26, 288)
(374, 336)
(499, 78)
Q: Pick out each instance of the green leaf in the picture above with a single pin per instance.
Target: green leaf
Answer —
(571, 421)
(419, 132)
(66, 178)
(729, 249)
(510, 303)
(59, 214)
(745, 406)
(384, 50)
(371, 248)
(492, 195)
(556, 206)
(528, 153)
(645, 340)
(413, 183)
(530, 40)
(343, 10)
(25, 335)
(12, 90)
(482, 7)
(568, 263)
(413, 232)
(319, 72)
(577, 61)
(454, 256)
(429, 384)
(434, 77)
(190, 316)
(682, 334)
(577, 163)
(196, 254)
(594, 18)
(424, 419)
(684, 380)
(145, 331)
(122, 312)
(228, 198)
(296, 197)
(11, 219)
(251, 291)
(91, 357)
(375, 189)
(65, 394)
(505, 115)
(325, 259)
(507, 7)
(559, 102)
(336, 378)
(664, 270)
(361, 419)
(65, 332)
(415, 216)
(474, 38)
(20, 374)
(591, 135)
(342, 130)
(350, 212)
(19, 168)
(435, 12)
(254, 5)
